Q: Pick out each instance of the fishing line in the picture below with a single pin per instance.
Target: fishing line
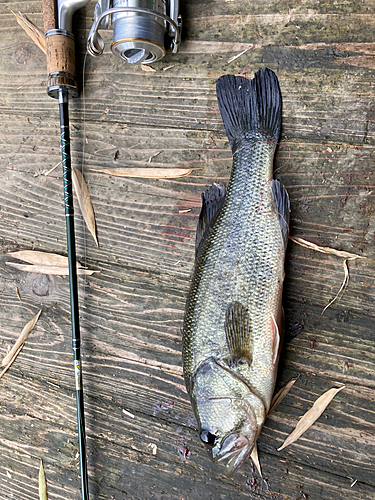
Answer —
(83, 165)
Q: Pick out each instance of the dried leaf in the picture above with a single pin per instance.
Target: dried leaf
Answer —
(147, 173)
(21, 339)
(41, 258)
(84, 201)
(280, 395)
(311, 416)
(11, 362)
(328, 250)
(52, 270)
(42, 483)
(33, 31)
(148, 69)
(254, 457)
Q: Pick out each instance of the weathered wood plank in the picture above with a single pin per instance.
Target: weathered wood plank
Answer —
(132, 309)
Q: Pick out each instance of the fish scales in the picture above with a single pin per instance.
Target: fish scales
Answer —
(231, 336)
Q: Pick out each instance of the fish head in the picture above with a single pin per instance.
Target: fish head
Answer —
(229, 416)
(232, 448)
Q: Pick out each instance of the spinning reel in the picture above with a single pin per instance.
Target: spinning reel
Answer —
(139, 29)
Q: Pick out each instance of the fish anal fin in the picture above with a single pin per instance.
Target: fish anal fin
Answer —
(282, 207)
(238, 334)
(212, 202)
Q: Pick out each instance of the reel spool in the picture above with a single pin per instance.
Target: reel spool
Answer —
(139, 29)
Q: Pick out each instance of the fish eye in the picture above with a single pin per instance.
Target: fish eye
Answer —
(207, 437)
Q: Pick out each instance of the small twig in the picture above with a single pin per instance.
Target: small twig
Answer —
(126, 412)
(237, 56)
(52, 169)
(332, 251)
(154, 156)
(343, 286)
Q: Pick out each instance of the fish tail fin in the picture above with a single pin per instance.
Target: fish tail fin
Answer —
(250, 107)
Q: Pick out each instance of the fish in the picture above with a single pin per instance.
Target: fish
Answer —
(232, 329)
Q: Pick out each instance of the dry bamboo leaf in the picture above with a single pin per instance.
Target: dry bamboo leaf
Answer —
(311, 416)
(21, 339)
(11, 362)
(52, 270)
(41, 258)
(254, 457)
(42, 483)
(332, 251)
(280, 395)
(84, 201)
(33, 31)
(148, 69)
(147, 173)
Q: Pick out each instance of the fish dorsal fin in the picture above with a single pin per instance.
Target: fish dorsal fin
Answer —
(212, 203)
(282, 207)
(238, 333)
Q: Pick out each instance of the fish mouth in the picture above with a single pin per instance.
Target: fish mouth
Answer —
(235, 448)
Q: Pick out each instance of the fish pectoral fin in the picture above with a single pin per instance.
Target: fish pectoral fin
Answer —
(212, 203)
(238, 334)
(282, 207)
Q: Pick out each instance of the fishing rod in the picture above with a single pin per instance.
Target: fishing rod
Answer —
(60, 51)
(141, 29)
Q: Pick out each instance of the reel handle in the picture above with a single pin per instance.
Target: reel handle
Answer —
(60, 51)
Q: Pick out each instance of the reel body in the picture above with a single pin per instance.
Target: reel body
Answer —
(139, 29)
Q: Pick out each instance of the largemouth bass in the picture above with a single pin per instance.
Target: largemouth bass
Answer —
(233, 319)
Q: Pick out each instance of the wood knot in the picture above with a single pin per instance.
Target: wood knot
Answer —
(22, 54)
(42, 285)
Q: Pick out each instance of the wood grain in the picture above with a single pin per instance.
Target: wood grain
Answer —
(132, 309)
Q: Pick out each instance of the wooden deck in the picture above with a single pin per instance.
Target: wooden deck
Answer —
(142, 440)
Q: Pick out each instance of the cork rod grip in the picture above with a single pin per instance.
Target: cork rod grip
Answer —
(60, 47)
(49, 15)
